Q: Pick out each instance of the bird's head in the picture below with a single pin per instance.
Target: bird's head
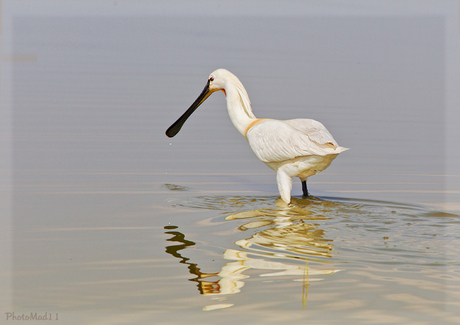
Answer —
(216, 81)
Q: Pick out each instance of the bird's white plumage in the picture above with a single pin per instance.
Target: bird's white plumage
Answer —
(293, 148)
(276, 141)
(315, 130)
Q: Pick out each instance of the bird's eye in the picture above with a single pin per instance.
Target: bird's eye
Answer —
(211, 78)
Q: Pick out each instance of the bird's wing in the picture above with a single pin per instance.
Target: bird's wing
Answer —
(274, 141)
(315, 130)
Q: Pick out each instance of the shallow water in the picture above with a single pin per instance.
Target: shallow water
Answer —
(110, 222)
(241, 258)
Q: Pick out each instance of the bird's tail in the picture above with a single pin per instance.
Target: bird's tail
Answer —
(340, 149)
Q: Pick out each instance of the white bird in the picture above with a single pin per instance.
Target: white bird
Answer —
(293, 148)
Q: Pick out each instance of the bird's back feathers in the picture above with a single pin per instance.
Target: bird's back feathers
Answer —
(275, 141)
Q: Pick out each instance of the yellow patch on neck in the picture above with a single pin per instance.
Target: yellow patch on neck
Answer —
(256, 121)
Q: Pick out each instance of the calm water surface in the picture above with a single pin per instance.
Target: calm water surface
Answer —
(172, 252)
(113, 223)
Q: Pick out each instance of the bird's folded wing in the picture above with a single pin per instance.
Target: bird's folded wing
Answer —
(315, 130)
(274, 141)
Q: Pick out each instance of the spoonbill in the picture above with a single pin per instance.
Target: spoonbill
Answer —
(293, 148)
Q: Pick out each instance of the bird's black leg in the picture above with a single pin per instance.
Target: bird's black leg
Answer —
(304, 188)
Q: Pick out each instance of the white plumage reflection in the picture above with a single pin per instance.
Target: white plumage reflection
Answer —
(293, 148)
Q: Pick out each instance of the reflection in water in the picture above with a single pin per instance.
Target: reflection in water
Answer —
(230, 273)
(290, 230)
(298, 242)
(203, 286)
(282, 237)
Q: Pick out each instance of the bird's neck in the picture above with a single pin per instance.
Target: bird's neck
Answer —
(239, 107)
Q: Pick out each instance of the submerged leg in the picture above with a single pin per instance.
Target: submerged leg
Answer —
(304, 188)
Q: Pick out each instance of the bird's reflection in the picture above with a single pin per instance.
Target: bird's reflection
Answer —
(284, 240)
(203, 286)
